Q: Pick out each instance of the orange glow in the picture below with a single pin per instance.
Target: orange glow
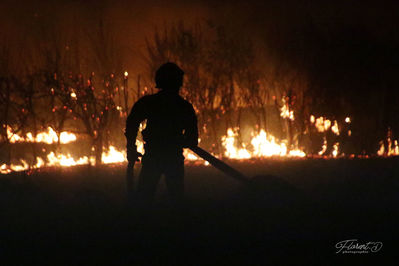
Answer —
(48, 137)
(323, 124)
(261, 145)
(391, 149)
(73, 95)
(335, 128)
(324, 147)
(286, 112)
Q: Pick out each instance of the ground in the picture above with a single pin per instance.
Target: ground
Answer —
(293, 211)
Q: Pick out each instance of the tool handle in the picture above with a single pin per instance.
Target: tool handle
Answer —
(225, 168)
(130, 179)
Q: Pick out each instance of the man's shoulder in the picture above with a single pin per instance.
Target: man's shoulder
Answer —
(146, 99)
(160, 97)
(186, 103)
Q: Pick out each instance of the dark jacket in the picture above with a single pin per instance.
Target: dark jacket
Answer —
(171, 123)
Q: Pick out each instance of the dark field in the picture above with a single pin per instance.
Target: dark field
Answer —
(295, 211)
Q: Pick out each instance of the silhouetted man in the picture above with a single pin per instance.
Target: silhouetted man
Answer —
(171, 126)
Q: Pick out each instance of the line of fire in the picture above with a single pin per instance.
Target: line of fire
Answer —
(60, 113)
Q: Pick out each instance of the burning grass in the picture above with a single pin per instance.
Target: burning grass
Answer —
(260, 145)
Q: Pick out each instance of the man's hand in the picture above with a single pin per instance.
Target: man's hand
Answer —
(133, 155)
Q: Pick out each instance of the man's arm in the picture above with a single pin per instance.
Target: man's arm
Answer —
(191, 130)
(136, 116)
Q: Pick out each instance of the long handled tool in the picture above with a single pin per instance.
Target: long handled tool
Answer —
(228, 170)
(130, 177)
(130, 180)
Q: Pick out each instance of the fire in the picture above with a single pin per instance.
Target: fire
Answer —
(335, 150)
(335, 128)
(263, 145)
(286, 112)
(260, 145)
(48, 137)
(391, 149)
(190, 156)
(324, 147)
(65, 160)
(5, 169)
(73, 95)
(323, 124)
(113, 156)
(229, 144)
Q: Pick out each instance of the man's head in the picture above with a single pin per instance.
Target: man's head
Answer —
(169, 77)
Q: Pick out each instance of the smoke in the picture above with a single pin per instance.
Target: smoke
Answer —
(274, 25)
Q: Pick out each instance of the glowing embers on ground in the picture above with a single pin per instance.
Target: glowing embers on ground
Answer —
(232, 151)
(48, 137)
(261, 145)
(22, 166)
(65, 160)
(111, 155)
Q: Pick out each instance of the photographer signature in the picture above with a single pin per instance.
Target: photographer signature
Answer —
(353, 246)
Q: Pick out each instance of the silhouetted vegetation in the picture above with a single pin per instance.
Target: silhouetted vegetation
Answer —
(74, 80)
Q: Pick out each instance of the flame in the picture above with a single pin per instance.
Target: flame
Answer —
(381, 150)
(286, 112)
(48, 137)
(113, 156)
(191, 157)
(263, 145)
(5, 169)
(260, 145)
(335, 128)
(324, 147)
(231, 151)
(323, 124)
(391, 149)
(66, 160)
(335, 150)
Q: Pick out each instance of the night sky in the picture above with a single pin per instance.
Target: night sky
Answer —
(281, 29)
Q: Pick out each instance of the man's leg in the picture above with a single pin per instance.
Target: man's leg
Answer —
(148, 181)
(174, 179)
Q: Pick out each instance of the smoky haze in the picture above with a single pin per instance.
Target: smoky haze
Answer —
(283, 30)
